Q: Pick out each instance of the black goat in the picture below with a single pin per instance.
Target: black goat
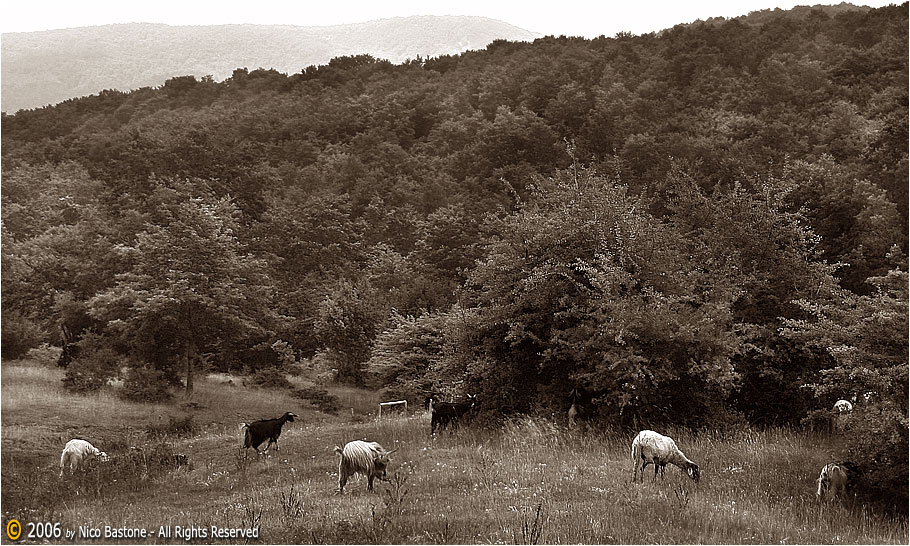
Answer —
(265, 429)
(445, 413)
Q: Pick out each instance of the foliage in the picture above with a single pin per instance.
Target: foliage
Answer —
(44, 354)
(347, 320)
(20, 334)
(586, 288)
(176, 425)
(190, 285)
(145, 384)
(321, 398)
(270, 378)
(96, 364)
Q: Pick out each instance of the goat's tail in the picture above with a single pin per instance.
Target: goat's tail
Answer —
(244, 425)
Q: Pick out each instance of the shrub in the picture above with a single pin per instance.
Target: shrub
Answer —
(321, 398)
(146, 462)
(19, 334)
(145, 384)
(877, 450)
(97, 363)
(175, 426)
(270, 378)
(44, 354)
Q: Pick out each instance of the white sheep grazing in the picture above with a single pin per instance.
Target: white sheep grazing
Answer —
(76, 452)
(832, 482)
(650, 447)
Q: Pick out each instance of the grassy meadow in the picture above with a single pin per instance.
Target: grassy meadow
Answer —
(532, 482)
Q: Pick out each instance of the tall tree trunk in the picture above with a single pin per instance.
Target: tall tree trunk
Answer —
(189, 356)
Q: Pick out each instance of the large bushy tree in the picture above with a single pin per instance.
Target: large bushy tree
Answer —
(190, 286)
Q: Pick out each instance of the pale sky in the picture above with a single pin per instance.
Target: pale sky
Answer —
(586, 18)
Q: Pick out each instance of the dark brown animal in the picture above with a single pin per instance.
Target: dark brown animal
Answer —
(448, 413)
(266, 429)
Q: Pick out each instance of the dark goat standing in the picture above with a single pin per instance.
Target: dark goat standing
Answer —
(265, 429)
(446, 412)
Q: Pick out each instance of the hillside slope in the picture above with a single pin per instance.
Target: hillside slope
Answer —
(41, 68)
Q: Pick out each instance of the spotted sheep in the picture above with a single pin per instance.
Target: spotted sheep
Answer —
(650, 447)
(77, 452)
(266, 429)
(359, 457)
(832, 482)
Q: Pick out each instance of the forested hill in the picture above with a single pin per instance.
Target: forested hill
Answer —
(654, 220)
(41, 68)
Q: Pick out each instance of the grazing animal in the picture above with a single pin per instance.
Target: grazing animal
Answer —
(573, 414)
(77, 452)
(445, 413)
(266, 429)
(359, 457)
(650, 447)
(832, 482)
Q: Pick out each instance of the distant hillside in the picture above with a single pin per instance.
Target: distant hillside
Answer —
(41, 68)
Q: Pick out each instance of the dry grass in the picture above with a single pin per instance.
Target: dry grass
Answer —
(530, 482)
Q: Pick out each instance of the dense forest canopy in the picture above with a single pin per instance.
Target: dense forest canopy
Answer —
(699, 226)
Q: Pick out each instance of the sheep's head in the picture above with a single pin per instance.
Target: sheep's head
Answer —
(693, 472)
(289, 416)
(103, 456)
(381, 461)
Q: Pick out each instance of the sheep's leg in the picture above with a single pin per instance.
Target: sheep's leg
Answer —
(370, 482)
(342, 479)
(644, 465)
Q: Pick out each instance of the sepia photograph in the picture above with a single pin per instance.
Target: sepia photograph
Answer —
(473, 272)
